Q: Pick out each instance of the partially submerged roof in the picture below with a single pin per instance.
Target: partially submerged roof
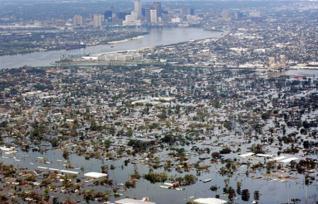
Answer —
(209, 201)
(289, 159)
(278, 158)
(265, 155)
(69, 172)
(132, 201)
(247, 154)
(58, 170)
(284, 159)
(95, 175)
(7, 149)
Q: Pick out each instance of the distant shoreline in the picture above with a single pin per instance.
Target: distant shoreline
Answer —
(125, 40)
(78, 46)
(153, 39)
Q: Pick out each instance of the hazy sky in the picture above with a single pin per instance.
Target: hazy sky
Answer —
(123, 0)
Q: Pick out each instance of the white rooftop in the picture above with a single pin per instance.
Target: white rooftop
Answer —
(132, 201)
(247, 154)
(264, 155)
(209, 201)
(95, 175)
(7, 149)
(289, 159)
(278, 158)
(68, 172)
(59, 170)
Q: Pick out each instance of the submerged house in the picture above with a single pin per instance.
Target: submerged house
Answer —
(208, 201)
(133, 201)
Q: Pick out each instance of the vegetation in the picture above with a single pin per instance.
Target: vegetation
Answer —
(156, 177)
(187, 180)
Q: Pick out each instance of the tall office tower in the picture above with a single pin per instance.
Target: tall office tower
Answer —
(121, 15)
(108, 15)
(147, 14)
(143, 12)
(98, 20)
(157, 6)
(192, 12)
(137, 9)
(153, 16)
(77, 20)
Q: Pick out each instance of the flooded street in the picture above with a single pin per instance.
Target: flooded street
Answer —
(283, 184)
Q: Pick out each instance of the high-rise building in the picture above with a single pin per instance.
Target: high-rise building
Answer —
(121, 15)
(153, 16)
(147, 14)
(137, 9)
(98, 20)
(134, 18)
(157, 6)
(192, 11)
(143, 12)
(186, 11)
(77, 20)
(108, 15)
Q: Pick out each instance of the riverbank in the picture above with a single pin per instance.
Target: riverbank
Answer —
(156, 37)
(71, 46)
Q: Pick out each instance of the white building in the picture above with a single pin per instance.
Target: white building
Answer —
(131, 20)
(137, 9)
(153, 16)
(175, 20)
(120, 57)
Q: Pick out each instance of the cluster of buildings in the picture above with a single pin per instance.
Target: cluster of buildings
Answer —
(272, 42)
(152, 14)
(137, 17)
(194, 118)
(111, 58)
(157, 123)
(97, 21)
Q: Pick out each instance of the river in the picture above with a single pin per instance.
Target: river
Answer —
(157, 36)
